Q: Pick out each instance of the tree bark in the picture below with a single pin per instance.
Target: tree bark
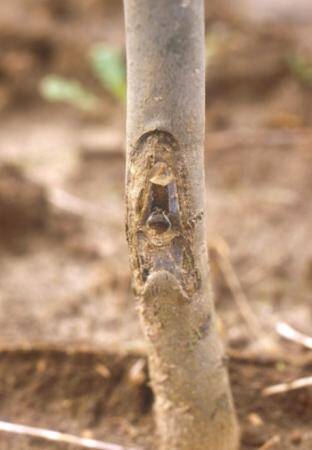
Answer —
(166, 224)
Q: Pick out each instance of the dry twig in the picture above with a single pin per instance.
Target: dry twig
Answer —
(270, 443)
(285, 387)
(57, 436)
(288, 332)
(236, 288)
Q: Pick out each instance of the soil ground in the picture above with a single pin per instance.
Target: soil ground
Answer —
(72, 356)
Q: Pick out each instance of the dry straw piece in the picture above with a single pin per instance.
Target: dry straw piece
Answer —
(58, 436)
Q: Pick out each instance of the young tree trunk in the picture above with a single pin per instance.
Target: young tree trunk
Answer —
(166, 224)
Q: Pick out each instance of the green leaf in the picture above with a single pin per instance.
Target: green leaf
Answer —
(109, 66)
(301, 68)
(58, 89)
(212, 45)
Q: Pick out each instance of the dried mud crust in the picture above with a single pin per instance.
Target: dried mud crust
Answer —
(98, 394)
(80, 392)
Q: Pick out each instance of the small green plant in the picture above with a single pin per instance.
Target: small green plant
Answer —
(58, 89)
(106, 63)
(212, 45)
(301, 68)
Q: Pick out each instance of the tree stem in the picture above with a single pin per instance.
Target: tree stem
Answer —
(165, 224)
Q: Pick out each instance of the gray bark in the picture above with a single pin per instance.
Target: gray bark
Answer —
(166, 224)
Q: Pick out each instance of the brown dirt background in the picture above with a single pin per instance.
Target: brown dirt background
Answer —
(72, 357)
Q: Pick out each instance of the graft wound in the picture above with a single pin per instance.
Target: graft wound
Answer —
(159, 231)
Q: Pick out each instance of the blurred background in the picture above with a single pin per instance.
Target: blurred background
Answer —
(71, 350)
